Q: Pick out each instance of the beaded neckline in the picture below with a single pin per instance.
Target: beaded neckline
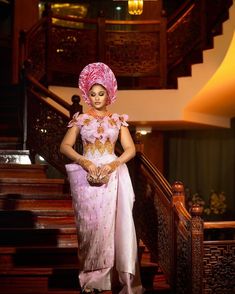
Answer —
(92, 112)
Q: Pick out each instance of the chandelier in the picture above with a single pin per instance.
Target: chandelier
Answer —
(135, 7)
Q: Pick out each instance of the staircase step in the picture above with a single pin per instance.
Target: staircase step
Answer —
(14, 170)
(37, 279)
(54, 257)
(23, 284)
(24, 280)
(10, 143)
(36, 204)
(31, 186)
(37, 219)
(38, 196)
(15, 156)
(38, 237)
(53, 280)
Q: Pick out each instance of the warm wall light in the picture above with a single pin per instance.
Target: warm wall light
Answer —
(143, 130)
(135, 7)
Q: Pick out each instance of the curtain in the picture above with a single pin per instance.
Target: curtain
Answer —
(204, 160)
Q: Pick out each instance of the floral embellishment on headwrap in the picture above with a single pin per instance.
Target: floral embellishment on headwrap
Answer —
(97, 73)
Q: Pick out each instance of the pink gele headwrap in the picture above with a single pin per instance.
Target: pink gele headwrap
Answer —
(97, 73)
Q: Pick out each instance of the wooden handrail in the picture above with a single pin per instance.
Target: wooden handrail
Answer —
(38, 24)
(48, 93)
(179, 12)
(107, 21)
(156, 175)
(132, 22)
(179, 19)
(219, 225)
(75, 18)
(43, 100)
(182, 212)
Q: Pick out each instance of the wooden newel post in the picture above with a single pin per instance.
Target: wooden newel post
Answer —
(178, 193)
(197, 249)
(76, 106)
(139, 145)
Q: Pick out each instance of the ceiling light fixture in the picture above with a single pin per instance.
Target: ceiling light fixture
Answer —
(135, 7)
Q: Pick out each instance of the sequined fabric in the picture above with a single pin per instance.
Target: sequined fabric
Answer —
(106, 233)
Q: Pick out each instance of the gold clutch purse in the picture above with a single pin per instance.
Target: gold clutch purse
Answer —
(97, 180)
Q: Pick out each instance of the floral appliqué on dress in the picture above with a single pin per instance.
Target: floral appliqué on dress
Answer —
(99, 134)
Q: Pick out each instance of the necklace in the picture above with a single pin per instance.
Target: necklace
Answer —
(93, 113)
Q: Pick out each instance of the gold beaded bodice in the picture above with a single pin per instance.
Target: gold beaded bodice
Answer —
(99, 134)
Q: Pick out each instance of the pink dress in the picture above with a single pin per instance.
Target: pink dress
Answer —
(106, 232)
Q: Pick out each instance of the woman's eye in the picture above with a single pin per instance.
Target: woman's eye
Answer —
(101, 93)
(92, 94)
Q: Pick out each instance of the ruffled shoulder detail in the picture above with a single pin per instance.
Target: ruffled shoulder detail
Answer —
(76, 120)
(121, 119)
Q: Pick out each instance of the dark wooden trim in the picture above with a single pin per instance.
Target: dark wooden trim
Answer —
(48, 93)
(219, 225)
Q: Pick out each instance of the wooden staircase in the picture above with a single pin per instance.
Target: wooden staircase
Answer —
(11, 117)
(38, 244)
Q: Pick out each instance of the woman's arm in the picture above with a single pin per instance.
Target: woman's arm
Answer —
(66, 148)
(129, 152)
(127, 145)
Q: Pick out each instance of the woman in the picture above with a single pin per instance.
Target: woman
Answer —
(101, 188)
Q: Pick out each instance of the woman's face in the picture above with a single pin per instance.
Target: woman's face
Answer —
(98, 96)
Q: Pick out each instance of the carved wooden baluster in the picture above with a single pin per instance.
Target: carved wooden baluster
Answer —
(178, 195)
(197, 249)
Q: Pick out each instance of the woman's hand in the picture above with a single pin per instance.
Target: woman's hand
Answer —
(92, 169)
(109, 168)
(104, 170)
(88, 166)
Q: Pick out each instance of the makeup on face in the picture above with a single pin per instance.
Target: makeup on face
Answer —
(98, 96)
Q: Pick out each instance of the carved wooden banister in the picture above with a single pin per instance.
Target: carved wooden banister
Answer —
(188, 243)
(65, 50)
(59, 53)
(46, 125)
(153, 213)
(173, 235)
(183, 214)
(188, 249)
(75, 19)
(176, 15)
(197, 250)
(219, 225)
(47, 93)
